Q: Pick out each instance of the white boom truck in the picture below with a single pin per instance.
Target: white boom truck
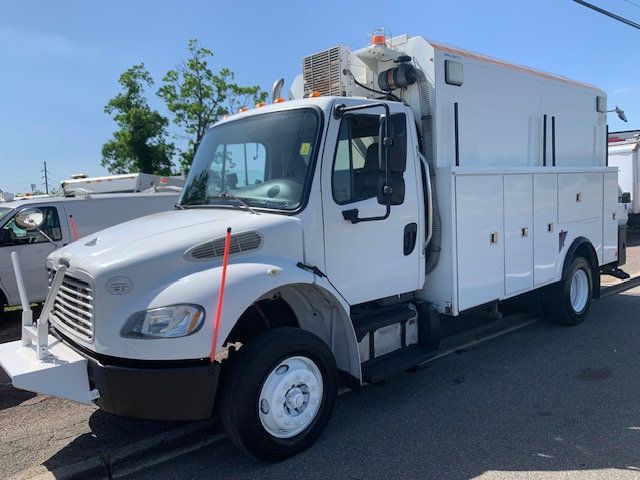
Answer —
(380, 201)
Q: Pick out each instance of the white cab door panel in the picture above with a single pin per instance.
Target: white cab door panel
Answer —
(518, 233)
(479, 219)
(545, 232)
(366, 261)
(610, 220)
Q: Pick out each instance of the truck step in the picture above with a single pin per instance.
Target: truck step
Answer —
(396, 362)
(364, 323)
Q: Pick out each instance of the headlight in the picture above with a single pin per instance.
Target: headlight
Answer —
(164, 322)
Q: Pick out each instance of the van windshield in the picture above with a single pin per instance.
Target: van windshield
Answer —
(263, 161)
(3, 213)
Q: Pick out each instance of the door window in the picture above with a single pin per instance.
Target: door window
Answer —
(12, 234)
(356, 171)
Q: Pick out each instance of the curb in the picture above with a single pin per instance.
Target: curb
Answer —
(112, 465)
(627, 284)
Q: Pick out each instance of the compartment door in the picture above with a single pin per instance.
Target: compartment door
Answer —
(610, 219)
(479, 219)
(518, 233)
(545, 230)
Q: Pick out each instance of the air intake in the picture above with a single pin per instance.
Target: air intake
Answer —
(322, 72)
(240, 242)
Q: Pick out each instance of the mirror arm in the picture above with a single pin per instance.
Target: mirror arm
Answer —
(338, 111)
(46, 236)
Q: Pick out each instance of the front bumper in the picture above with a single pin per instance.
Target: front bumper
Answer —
(150, 390)
(182, 390)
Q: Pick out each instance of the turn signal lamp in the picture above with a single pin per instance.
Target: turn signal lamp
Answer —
(279, 100)
(260, 104)
(243, 109)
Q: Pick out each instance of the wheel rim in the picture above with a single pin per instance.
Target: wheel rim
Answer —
(290, 397)
(579, 292)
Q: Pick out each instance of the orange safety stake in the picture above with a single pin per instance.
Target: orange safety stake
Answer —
(225, 262)
(73, 227)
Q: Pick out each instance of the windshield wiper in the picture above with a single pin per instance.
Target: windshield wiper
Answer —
(242, 202)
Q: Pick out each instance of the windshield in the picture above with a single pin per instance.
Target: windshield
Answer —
(263, 161)
(3, 213)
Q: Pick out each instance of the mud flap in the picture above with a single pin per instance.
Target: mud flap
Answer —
(62, 373)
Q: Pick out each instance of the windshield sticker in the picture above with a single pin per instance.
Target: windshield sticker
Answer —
(305, 148)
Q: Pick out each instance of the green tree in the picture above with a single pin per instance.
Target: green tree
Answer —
(197, 96)
(140, 143)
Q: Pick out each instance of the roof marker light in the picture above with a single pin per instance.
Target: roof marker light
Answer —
(314, 94)
(279, 100)
(243, 109)
(260, 104)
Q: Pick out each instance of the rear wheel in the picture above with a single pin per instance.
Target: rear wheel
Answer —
(279, 393)
(571, 297)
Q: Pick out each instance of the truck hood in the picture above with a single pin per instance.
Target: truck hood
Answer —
(171, 233)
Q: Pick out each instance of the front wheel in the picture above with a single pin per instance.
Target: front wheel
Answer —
(571, 297)
(279, 394)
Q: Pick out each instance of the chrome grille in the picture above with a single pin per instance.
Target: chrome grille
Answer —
(73, 307)
(241, 242)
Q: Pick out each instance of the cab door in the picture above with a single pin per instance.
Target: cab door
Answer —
(371, 259)
(32, 248)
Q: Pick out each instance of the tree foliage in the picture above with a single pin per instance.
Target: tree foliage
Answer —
(197, 96)
(140, 143)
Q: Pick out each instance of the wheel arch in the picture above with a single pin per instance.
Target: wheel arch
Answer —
(582, 247)
(309, 306)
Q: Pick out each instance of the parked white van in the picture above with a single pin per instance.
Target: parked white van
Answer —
(89, 214)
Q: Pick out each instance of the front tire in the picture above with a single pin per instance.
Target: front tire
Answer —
(571, 297)
(279, 393)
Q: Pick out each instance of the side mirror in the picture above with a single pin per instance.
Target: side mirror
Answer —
(395, 188)
(625, 198)
(30, 219)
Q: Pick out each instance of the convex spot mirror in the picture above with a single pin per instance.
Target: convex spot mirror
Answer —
(30, 219)
(396, 188)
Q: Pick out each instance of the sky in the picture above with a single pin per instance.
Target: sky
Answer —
(60, 61)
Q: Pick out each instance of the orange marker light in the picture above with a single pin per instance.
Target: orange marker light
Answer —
(243, 109)
(260, 104)
(314, 94)
(378, 40)
(279, 100)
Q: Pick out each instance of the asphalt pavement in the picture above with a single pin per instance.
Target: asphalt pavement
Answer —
(542, 402)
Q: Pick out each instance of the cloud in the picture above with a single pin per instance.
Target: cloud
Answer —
(626, 89)
(22, 41)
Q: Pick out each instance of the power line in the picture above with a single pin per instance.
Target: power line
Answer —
(632, 3)
(609, 14)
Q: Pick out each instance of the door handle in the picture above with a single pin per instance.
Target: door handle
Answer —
(410, 237)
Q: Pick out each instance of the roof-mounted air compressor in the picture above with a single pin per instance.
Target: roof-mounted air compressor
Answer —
(398, 77)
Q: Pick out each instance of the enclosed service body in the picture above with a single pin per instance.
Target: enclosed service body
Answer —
(90, 214)
(360, 221)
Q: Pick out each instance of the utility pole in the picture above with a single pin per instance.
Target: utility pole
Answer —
(46, 179)
(609, 14)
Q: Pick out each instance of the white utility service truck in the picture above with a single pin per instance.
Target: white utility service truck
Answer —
(124, 183)
(62, 220)
(378, 202)
(623, 154)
